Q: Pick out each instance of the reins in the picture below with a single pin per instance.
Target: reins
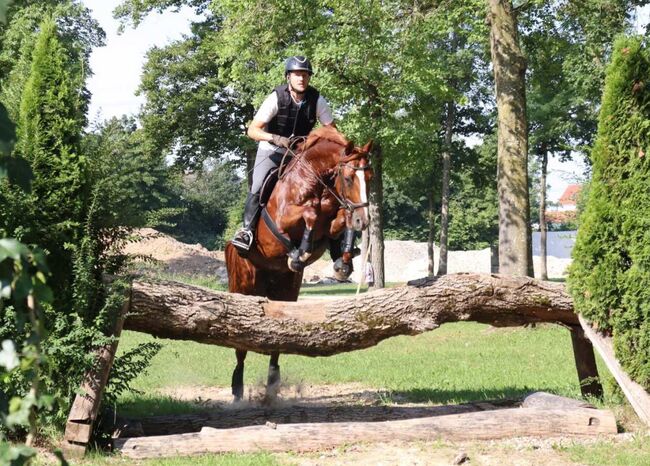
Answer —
(345, 162)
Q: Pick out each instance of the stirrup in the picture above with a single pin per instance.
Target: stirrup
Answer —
(243, 240)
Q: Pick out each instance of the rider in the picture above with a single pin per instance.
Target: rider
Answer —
(290, 110)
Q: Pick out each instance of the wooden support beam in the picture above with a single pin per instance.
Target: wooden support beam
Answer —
(585, 359)
(85, 407)
(485, 425)
(635, 393)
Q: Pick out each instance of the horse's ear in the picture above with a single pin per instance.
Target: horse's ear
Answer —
(349, 148)
(367, 148)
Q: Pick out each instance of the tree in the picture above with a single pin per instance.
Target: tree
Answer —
(52, 116)
(563, 87)
(609, 277)
(509, 64)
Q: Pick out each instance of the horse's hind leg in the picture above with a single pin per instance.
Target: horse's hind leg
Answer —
(238, 376)
(273, 380)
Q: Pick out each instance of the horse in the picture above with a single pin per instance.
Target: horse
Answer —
(322, 195)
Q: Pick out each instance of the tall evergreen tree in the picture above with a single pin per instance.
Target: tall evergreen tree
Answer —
(610, 275)
(52, 117)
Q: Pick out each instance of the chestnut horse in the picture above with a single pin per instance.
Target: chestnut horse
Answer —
(321, 195)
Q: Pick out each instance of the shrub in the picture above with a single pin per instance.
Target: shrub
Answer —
(610, 275)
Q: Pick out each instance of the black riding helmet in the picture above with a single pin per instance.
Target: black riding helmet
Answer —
(297, 63)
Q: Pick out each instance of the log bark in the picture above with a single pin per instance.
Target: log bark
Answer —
(484, 425)
(322, 328)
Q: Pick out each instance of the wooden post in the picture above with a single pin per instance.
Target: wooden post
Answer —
(583, 353)
(83, 413)
(635, 393)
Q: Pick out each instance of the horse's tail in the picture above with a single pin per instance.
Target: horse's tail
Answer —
(241, 272)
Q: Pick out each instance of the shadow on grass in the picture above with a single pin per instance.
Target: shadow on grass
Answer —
(158, 405)
(153, 413)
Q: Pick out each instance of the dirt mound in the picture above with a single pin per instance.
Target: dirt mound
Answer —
(174, 257)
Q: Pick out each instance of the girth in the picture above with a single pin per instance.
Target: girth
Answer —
(284, 239)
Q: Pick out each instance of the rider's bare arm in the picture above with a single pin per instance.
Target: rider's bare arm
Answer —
(257, 132)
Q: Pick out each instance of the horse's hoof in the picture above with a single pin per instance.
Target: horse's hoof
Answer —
(342, 270)
(296, 265)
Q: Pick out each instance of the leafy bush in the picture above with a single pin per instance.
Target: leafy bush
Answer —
(610, 275)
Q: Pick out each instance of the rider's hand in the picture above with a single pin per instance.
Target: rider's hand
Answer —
(280, 141)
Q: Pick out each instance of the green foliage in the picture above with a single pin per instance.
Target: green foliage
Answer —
(205, 199)
(87, 195)
(22, 288)
(51, 121)
(610, 279)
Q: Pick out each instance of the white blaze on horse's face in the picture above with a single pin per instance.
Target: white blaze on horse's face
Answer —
(363, 191)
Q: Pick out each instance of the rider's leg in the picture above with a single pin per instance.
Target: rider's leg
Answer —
(243, 239)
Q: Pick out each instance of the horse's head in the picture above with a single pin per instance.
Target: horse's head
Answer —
(353, 175)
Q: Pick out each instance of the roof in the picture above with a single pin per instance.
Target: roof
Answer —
(570, 195)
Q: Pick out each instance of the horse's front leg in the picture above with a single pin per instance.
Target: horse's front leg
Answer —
(238, 376)
(298, 258)
(342, 249)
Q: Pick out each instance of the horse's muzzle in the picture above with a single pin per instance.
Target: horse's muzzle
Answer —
(359, 219)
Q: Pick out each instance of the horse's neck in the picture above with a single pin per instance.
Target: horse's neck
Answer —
(312, 168)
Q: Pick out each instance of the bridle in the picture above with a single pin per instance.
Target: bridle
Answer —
(344, 202)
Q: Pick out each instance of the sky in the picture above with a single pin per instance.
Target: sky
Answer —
(118, 65)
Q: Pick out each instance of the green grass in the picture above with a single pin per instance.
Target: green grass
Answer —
(457, 363)
(633, 453)
(198, 280)
(343, 289)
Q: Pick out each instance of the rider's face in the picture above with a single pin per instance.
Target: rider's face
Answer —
(299, 80)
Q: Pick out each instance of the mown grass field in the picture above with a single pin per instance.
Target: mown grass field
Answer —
(457, 363)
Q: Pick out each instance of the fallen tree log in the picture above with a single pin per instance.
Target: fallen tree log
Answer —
(485, 425)
(322, 328)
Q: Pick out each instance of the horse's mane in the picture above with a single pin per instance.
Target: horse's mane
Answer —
(328, 133)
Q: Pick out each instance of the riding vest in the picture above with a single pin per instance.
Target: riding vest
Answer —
(294, 119)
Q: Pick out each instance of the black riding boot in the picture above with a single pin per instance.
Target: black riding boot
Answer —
(243, 239)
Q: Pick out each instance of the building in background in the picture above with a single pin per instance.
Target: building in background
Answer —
(562, 215)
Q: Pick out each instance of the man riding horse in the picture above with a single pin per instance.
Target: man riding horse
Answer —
(290, 110)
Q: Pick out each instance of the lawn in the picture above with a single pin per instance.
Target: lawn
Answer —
(456, 363)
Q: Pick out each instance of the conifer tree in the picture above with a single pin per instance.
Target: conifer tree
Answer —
(610, 275)
(49, 132)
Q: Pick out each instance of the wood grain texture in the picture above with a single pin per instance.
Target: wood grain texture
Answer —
(484, 425)
(322, 328)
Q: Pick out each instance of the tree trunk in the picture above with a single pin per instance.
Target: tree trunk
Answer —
(322, 328)
(512, 167)
(542, 217)
(376, 229)
(446, 169)
(431, 250)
